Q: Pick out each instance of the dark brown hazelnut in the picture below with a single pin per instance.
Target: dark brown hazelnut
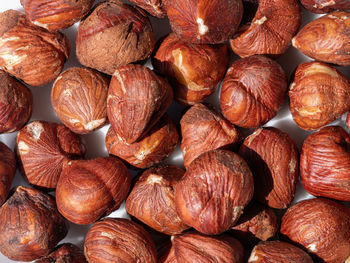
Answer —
(325, 6)
(65, 253)
(7, 171)
(154, 7)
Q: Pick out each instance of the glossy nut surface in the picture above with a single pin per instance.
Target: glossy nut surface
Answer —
(154, 7)
(7, 171)
(325, 6)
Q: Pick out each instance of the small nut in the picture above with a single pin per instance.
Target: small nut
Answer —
(214, 191)
(154, 7)
(326, 38)
(79, 98)
(30, 225)
(119, 240)
(253, 90)
(65, 253)
(43, 149)
(325, 6)
(7, 171)
(88, 190)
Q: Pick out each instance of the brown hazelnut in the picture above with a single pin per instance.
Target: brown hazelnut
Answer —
(15, 104)
(114, 34)
(137, 99)
(7, 171)
(57, 14)
(214, 191)
(65, 253)
(203, 130)
(278, 251)
(30, 225)
(90, 189)
(321, 226)
(318, 95)
(325, 6)
(119, 240)
(326, 38)
(43, 149)
(29, 52)
(253, 90)
(204, 22)
(270, 31)
(79, 98)
(325, 163)
(154, 7)
(193, 70)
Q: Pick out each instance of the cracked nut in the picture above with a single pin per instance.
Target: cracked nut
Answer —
(325, 6)
(65, 253)
(7, 171)
(153, 7)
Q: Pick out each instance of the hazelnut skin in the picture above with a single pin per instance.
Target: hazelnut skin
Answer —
(253, 90)
(325, 6)
(320, 226)
(65, 253)
(79, 98)
(193, 70)
(7, 171)
(30, 225)
(153, 7)
(119, 240)
(348, 121)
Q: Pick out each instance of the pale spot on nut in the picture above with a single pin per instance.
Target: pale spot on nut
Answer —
(347, 260)
(261, 20)
(292, 165)
(253, 256)
(23, 148)
(11, 60)
(237, 211)
(94, 124)
(120, 80)
(67, 92)
(292, 86)
(325, 4)
(319, 68)
(145, 151)
(155, 179)
(293, 42)
(308, 111)
(202, 28)
(35, 129)
(312, 247)
(40, 24)
(251, 137)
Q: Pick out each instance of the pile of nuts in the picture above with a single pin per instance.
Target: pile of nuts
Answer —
(226, 205)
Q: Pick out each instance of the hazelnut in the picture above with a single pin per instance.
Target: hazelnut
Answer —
(29, 52)
(79, 97)
(212, 194)
(193, 70)
(270, 31)
(90, 189)
(137, 99)
(203, 130)
(154, 7)
(30, 225)
(326, 38)
(253, 90)
(204, 22)
(318, 95)
(114, 34)
(43, 149)
(7, 171)
(325, 6)
(321, 226)
(65, 253)
(325, 163)
(167, 254)
(119, 240)
(15, 104)
(278, 251)
(56, 14)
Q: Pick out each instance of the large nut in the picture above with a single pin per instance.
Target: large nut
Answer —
(154, 7)
(7, 171)
(325, 6)
(65, 253)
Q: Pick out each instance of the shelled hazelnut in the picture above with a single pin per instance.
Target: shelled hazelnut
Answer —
(65, 253)
(7, 171)
(153, 7)
(325, 6)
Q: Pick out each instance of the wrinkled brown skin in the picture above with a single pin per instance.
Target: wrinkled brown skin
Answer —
(193, 70)
(137, 99)
(272, 155)
(79, 98)
(252, 92)
(318, 95)
(325, 163)
(30, 225)
(153, 7)
(43, 149)
(348, 121)
(325, 6)
(119, 240)
(321, 226)
(214, 191)
(90, 189)
(56, 14)
(220, 19)
(29, 52)
(7, 171)
(277, 252)
(114, 34)
(326, 39)
(264, 35)
(65, 253)
(16, 102)
(203, 129)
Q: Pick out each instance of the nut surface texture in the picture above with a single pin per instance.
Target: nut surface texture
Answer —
(325, 6)
(7, 171)
(65, 253)
(154, 7)
(348, 120)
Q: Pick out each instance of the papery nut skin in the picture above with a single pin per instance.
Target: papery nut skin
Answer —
(325, 6)
(7, 171)
(114, 34)
(154, 7)
(214, 191)
(325, 163)
(273, 158)
(204, 22)
(79, 98)
(90, 189)
(30, 225)
(318, 95)
(264, 35)
(253, 90)
(29, 52)
(137, 99)
(321, 226)
(326, 39)
(203, 130)
(193, 70)
(43, 149)
(56, 14)
(119, 240)
(65, 253)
